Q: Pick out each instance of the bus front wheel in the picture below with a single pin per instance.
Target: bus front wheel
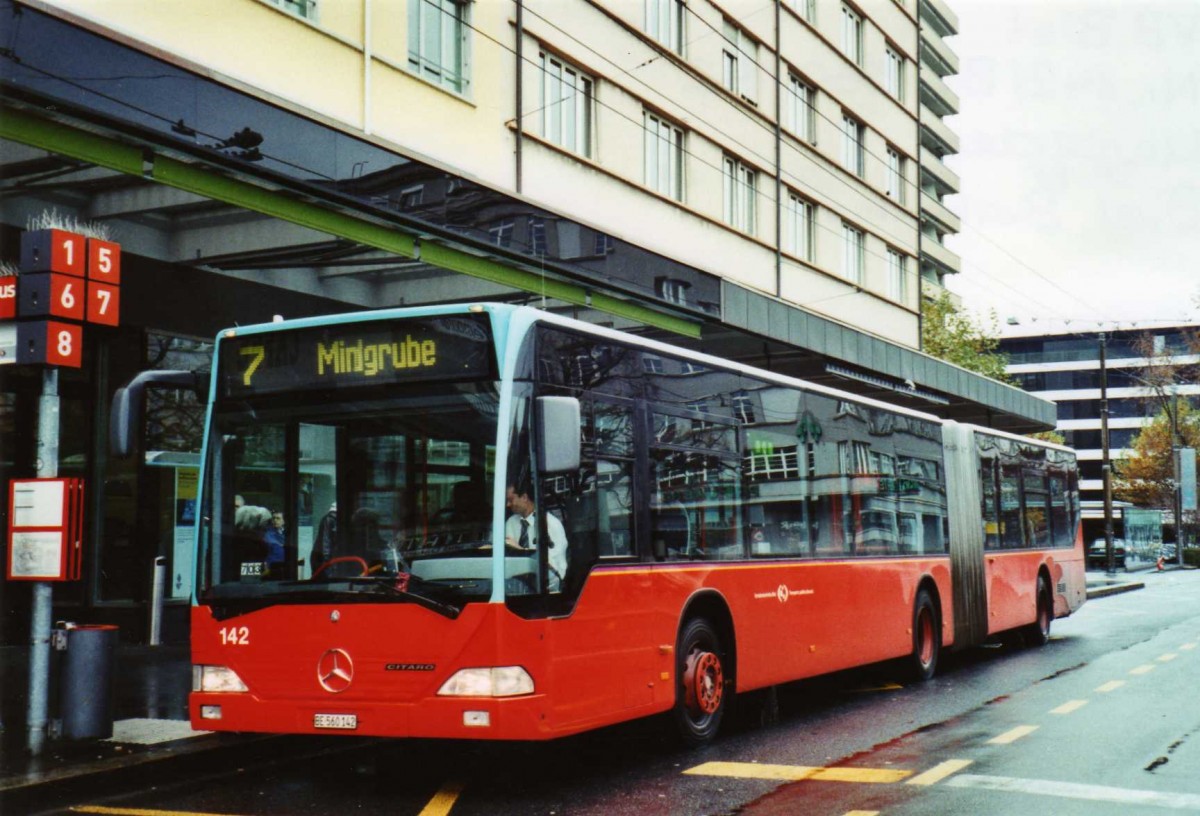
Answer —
(700, 690)
(927, 640)
(1038, 632)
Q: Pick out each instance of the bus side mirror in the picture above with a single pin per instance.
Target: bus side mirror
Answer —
(128, 403)
(558, 426)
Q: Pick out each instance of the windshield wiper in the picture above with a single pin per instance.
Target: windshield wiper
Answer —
(402, 587)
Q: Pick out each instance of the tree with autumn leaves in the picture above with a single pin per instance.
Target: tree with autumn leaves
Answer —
(1146, 477)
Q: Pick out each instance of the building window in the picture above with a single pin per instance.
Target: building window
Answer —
(652, 364)
(852, 35)
(743, 407)
(739, 187)
(566, 106)
(893, 73)
(798, 227)
(673, 290)
(412, 197)
(501, 233)
(437, 41)
(739, 63)
(852, 144)
(537, 236)
(603, 244)
(664, 23)
(301, 8)
(852, 254)
(895, 175)
(798, 110)
(664, 157)
(805, 8)
(897, 276)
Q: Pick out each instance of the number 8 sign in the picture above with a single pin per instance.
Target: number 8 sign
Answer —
(50, 342)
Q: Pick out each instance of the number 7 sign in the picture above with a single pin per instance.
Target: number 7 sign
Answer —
(103, 304)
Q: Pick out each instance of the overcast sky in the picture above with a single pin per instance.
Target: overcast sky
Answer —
(1080, 159)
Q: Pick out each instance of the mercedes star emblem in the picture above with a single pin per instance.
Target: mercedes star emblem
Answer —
(335, 671)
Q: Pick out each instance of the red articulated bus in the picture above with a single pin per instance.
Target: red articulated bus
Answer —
(504, 524)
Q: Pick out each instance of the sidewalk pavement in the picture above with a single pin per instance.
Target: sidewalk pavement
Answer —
(151, 719)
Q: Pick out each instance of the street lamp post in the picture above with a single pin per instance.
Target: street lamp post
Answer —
(1106, 463)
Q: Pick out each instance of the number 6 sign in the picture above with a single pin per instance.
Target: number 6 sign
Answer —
(50, 295)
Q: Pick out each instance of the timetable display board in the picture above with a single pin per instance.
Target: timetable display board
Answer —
(358, 354)
(45, 538)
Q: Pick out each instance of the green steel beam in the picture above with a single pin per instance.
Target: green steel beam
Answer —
(26, 128)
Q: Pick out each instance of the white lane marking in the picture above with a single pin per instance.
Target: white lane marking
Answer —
(1111, 685)
(1167, 658)
(1145, 668)
(1187, 647)
(1069, 706)
(1071, 790)
(1013, 735)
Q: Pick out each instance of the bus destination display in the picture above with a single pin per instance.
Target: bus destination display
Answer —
(356, 354)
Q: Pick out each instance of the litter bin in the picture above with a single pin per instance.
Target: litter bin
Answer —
(86, 682)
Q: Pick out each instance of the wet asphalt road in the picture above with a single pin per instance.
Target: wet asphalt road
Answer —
(1104, 719)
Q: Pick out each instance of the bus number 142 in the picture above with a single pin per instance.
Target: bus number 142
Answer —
(235, 636)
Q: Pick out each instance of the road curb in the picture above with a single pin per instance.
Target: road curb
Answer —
(1116, 589)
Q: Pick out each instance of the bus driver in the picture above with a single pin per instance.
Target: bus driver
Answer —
(521, 531)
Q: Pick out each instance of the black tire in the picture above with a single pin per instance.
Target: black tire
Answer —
(927, 638)
(702, 686)
(1038, 632)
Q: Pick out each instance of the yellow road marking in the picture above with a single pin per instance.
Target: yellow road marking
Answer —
(1145, 668)
(795, 773)
(116, 811)
(1167, 658)
(939, 772)
(1187, 647)
(1069, 706)
(861, 813)
(443, 800)
(1111, 685)
(1012, 736)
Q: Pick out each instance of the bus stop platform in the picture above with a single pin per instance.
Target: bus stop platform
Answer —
(150, 723)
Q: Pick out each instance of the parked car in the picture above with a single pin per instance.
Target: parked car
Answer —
(1097, 555)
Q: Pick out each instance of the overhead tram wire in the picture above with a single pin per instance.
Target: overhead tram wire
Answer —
(822, 165)
(720, 170)
(793, 181)
(797, 182)
(914, 186)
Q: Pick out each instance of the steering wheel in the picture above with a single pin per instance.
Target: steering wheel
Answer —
(342, 559)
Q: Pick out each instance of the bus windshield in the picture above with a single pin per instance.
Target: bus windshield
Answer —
(380, 498)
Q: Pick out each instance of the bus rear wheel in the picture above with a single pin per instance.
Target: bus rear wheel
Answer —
(700, 690)
(1038, 632)
(927, 639)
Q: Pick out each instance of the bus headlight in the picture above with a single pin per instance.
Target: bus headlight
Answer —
(216, 678)
(497, 681)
